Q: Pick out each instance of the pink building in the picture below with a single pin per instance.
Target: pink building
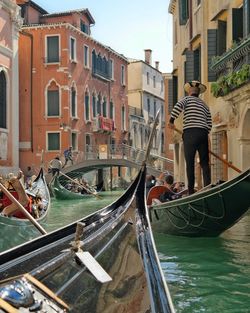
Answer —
(10, 23)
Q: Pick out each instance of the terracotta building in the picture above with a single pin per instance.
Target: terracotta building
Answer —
(73, 89)
(10, 23)
(211, 43)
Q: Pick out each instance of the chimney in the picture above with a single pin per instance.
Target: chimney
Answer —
(157, 65)
(148, 56)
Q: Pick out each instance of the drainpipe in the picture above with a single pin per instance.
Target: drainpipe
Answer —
(31, 89)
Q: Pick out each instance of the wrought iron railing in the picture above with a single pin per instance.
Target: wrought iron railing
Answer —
(233, 58)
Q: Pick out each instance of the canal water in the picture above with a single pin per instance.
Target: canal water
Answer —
(210, 275)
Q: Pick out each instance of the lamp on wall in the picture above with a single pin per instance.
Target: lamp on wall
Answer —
(64, 126)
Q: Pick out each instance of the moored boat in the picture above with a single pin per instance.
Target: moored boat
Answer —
(14, 230)
(62, 193)
(205, 213)
(106, 262)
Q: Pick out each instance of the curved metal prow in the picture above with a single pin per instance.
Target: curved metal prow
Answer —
(150, 141)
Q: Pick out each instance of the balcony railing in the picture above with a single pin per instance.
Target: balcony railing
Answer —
(232, 59)
(232, 69)
(103, 124)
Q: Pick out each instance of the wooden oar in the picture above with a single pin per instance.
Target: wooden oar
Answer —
(216, 156)
(79, 184)
(24, 211)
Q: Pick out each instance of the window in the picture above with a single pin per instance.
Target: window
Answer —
(123, 118)
(84, 28)
(3, 100)
(86, 56)
(111, 110)
(74, 141)
(123, 75)
(104, 107)
(183, 12)
(154, 109)
(72, 49)
(147, 78)
(154, 83)
(94, 109)
(222, 37)
(86, 102)
(198, 2)
(111, 69)
(197, 64)
(73, 102)
(52, 49)
(99, 108)
(53, 141)
(53, 103)
(148, 106)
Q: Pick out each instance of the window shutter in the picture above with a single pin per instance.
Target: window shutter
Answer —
(197, 64)
(237, 25)
(183, 12)
(246, 17)
(221, 37)
(211, 52)
(189, 66)
(170, 95)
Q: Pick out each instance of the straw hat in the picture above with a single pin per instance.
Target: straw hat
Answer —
(195, 83)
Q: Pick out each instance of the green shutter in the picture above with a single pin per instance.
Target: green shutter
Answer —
(189, 66)
(211, 52)
(246, 18)
(170, 95)
(183, 12)
(197, 64)
(237, 24)
(221, 37)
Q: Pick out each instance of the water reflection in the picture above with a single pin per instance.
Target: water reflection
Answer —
(208, 274)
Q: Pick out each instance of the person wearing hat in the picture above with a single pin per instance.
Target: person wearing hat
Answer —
(197, 124)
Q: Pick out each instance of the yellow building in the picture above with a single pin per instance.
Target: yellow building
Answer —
(211, 43)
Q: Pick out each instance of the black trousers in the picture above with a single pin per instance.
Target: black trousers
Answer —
(196, 139)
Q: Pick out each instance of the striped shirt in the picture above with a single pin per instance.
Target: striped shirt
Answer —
(196, 113)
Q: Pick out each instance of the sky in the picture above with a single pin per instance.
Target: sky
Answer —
(128, 27)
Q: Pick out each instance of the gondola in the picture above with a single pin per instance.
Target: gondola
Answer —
(207, 213)
(61, 193)
(106, 262)
(14, 230)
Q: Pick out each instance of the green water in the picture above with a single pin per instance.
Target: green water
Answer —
(209, 275)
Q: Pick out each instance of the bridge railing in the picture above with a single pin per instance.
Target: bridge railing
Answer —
(124, 151)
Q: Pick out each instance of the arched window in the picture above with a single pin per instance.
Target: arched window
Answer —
(53, 102)
(99, 108)
(73, 102)
(3, 100)
(87, 110)
(111, 110)
(94, 108)
(104, 107)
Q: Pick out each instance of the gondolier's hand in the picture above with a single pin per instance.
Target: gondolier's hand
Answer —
(171, 125)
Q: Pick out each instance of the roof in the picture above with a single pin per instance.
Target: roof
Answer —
(80, 11)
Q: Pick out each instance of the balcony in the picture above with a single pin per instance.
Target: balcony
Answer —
(103, 124)
(232, 68)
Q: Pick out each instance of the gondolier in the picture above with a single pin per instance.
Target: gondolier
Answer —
(197, 124)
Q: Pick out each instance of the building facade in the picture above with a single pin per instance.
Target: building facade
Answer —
(73, 89)
(211, 43)
(10, 24)
(145, 97)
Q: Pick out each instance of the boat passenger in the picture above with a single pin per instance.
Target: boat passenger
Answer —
(17, 190)
(171, 192)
